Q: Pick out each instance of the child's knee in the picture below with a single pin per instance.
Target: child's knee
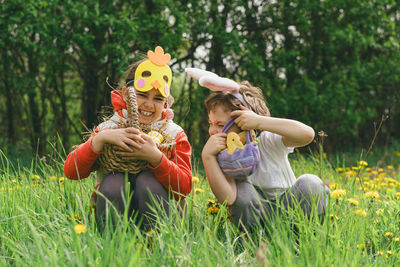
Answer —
(311, 184)
(311, 189)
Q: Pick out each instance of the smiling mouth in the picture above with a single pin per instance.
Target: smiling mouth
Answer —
(146, 113)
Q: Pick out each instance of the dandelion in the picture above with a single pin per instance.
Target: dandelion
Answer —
(211, 202)
(195, 179)
(361, 212)
(363, 163)
(80, 228)
(388, 234)
(361, 246)
(380, 212)
(213, 210)
(333, 186)
(353, 201)
(372, 194)
(198, 190)
(388, 253)
(338, 193)
(62, 178)
(333, 217)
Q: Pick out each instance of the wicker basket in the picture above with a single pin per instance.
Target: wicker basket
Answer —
(109, 161)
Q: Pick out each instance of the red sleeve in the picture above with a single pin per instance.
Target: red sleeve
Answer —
(176, 172)
(79, 163)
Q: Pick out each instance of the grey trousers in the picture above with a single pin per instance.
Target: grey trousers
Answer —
(253, 208)
(145, 190)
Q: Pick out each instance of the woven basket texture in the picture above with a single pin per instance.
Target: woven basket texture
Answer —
(109, 161)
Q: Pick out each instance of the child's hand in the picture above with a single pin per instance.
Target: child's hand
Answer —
(147, 151)
(247, 119)
(126, 138)
(215, 144)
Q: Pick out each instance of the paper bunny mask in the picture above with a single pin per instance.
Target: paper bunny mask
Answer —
(216, 83)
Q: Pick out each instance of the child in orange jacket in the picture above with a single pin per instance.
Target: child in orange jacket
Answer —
(166, 173)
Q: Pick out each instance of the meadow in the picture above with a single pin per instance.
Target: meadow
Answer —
(47, 220)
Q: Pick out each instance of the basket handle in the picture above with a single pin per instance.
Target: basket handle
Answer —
(131, 106)
(228, 125)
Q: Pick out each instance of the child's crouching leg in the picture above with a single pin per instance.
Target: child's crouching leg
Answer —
(309, 190)
(248, 209)
(110, 197)
(148, 197)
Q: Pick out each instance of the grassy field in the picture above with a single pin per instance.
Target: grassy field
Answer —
(46, 220)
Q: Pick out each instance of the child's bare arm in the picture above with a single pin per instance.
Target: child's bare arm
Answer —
(223, 188)
(294, 133)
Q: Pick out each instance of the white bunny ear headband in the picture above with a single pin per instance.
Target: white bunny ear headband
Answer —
(216, 83)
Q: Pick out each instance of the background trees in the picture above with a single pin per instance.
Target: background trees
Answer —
(331, 64)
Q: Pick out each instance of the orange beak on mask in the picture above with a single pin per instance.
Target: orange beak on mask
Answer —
(154, 73)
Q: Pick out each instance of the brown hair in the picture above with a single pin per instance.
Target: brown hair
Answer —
(252, 95)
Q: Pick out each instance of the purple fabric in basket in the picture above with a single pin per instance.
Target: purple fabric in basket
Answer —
(241, 163)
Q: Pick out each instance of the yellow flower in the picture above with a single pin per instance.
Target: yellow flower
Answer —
(380, 212)
(198, 190)
(333, 186)
(62, 178)
(388, 253)
(324, 155)
(213, 210)
(397, 153)
(389, 234)
(338, 193)
(195, 179)
(333, 217)
(339, 169)
(363, 163)
(211, 202)
(390, 167)
(361, 246)
(361, 212)
(36, 177)
(14, 181)
(353, 201)
(380, 170)
(396, 239)
(80, 228)
(372, 194)
(380, 252)
(397, 195)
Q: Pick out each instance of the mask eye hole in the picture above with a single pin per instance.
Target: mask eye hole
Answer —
(165, 77)
(146, 73)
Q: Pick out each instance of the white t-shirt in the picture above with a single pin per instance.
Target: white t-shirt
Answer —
(273, 173)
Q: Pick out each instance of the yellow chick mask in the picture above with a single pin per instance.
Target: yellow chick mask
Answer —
(154, 73)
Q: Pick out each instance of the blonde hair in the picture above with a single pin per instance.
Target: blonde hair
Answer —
(252, 95)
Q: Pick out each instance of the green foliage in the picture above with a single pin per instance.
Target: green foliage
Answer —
(40, 210)
(330, 64)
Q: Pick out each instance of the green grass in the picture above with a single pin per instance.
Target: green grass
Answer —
(37, 219)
